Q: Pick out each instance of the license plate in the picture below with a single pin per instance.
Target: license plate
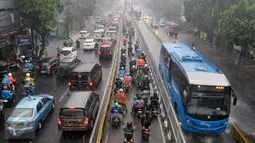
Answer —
(140, 112)
(18, 126)
(43, 71)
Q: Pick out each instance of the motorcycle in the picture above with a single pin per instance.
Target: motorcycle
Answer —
(129, 139)
(2, 110)
(139, 113)
(115, 122)
(145, 133)
(146, 96)
(129, 53)
(139, 84)
(126, 88)
(154, 111)
(27, 92)
(122, 73)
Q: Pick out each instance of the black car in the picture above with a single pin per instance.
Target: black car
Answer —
(85, 75)
(66, 65)
(79, 112)
(105, 51)
(47, 65)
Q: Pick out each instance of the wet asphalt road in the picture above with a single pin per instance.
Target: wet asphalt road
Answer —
(58, 89)
(113, 135)
(155, 45)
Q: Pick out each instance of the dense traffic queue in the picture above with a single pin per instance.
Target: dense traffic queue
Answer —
(80, 110)
(133, 72)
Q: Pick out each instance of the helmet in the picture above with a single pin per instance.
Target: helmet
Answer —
(5, 87)
(139, 97)
(155, 94)
(128, 74)
(27, 74)
(129, 124)
(117, 78)
(122, 68)
(146, 76)
(123, 54)
(121, 90)
(9, 74)
(116, 104)
(133, 66)
(145, 65)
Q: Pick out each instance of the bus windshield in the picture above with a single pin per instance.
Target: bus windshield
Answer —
(208, 103)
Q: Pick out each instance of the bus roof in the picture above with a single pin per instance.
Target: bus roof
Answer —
(197, 70)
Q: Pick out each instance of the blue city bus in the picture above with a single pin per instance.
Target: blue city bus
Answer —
(200, 92)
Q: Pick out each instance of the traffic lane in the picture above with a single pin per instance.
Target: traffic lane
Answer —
(153, 44)
(117, 135)
(190, 137)
(50, 131)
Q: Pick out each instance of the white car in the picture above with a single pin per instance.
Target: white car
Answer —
(89, 44)
(84, 34)
(68, 52)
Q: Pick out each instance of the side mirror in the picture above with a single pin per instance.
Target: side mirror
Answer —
(235, 100)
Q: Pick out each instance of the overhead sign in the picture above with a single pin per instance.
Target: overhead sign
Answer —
(23, 39)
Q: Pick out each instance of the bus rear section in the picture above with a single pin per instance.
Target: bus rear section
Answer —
(201, 94)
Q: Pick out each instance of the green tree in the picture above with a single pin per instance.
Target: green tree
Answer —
(237, 25)
(39, 16)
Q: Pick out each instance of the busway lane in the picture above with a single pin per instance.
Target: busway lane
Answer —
(58, 88)
(151, 39)
(117, 135)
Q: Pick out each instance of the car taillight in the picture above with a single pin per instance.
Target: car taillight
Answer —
(90, 83)
(110, 43)
(140, 109)
(86, 121)
(146, 129)
(110, 52)
(48, 67)
(69, 83)
(31, 123)
(59, 122)
(99, 53)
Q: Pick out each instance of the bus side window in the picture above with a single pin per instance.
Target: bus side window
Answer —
(170, 70)
(179, 78)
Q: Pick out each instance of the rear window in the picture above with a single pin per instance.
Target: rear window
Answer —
(65, 53)
(76, 76)
(22, 112)
(83, 32)
(104, 49)
(3, 68)
(88, 41)
(64, 64)
(72, 112)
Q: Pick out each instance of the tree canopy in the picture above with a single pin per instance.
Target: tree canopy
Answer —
(237, 25)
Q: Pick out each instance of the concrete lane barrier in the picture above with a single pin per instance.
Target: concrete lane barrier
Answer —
(237, 134)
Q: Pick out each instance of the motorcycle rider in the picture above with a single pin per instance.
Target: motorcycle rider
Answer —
(6, 82)
(136, 45)
(77, 43)
(29, 86)
(123, 57)
(65, 44)
(138, 104)
(96, 46)
(133, 61)
(121, 98)
(29, 65)
(139, 77)
(70, 41)
(128, 80)
(118, 84)
(129, 130)
(140, 62)
(146, 82)
(139, 50)
(146, 120)
(123, 50)
(122, 72)
(133, 71)
(123, 64)
(130, 49)
(116, 111)
(146, 69)
(6, 94)
(124, 41)
(142, 56)
(12, 81)
(29, 78)
(154, 101)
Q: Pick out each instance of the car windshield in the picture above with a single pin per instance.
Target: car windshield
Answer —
(88, 42)
(22, 112)
(72, 112)
(65, 53)
(203, 103)
(77, 76)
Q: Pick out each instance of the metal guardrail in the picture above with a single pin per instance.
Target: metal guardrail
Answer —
(97, 133)
(172, 127)
(236, 132)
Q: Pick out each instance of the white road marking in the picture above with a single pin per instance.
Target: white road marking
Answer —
(63, 95)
